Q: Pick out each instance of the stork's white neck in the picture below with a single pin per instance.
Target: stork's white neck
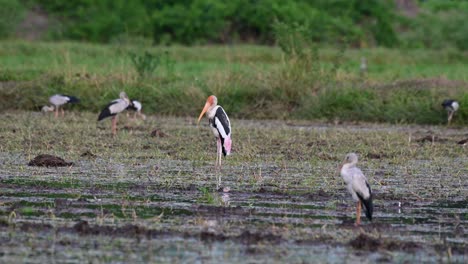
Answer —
(212, 111)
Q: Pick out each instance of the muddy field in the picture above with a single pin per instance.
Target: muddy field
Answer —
(149, 194)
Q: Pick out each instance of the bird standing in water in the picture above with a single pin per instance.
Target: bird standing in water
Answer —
(220, 126)
(57, 101)
(451, 106)
(357, 186)
(113, 108)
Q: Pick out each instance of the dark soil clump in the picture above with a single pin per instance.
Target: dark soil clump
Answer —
(365, 242)
(431, 138)
(253, 238)
(158, 133)
(46, 160)
(88, 154)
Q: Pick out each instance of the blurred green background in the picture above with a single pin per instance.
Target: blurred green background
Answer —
(263, 58)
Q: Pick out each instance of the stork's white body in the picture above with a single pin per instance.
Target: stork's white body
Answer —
(355, 181)
(118, 105)
(451, 106)
(137, 105)
(57, 101)
(357, 186)
(220, 126)
(112, 109)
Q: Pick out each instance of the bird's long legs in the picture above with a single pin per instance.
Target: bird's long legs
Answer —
(56, 111)
(63, 112)
(450, 115)
(218, 161)
(358, 213)
(114, 125)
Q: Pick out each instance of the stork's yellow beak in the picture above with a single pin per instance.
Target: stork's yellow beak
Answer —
(207, 105)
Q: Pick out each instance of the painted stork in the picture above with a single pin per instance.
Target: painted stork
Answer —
(136, 106)
(58, 100)
(221, 127)
(451, 106)
(357, 185)
(113, 108)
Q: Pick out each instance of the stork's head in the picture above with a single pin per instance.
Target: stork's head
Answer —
(211, 102)
(124, 96)
(350, 159)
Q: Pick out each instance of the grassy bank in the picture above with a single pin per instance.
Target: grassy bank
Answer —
(250, 81)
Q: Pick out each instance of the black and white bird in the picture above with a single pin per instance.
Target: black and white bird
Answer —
(357, 186)
(221, 127)
(451, 106)
(57, 101)
(113, 108)
(136, 106)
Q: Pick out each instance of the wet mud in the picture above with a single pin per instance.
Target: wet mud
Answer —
(157, 201)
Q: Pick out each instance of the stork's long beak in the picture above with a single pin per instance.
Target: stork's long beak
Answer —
(207, 105)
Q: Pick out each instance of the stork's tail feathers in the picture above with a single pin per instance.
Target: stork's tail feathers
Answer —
(367, 203)
(73, 99)
(227, 142)
(104, 113)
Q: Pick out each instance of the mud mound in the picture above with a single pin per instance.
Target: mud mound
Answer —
(46, 160)
(365, 242)
(431, 138)
(253, 238)
(88, 154)
(158, 133)
(463, 142)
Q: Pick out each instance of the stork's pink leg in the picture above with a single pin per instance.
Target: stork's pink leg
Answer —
(218, 148)
(56, 111)
(218, 161)
(358, 213)
(63, 112)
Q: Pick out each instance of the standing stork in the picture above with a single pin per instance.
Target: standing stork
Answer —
(136, 106)
(113, 108)
(221, 127)
(451, 106)
(57, 100)
(357, 186)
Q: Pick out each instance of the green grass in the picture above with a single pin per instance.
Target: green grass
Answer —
(250, 81)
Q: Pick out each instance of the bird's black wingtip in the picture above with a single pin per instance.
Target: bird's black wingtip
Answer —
(104, 113)
(447, 102)
(72, 99)
(368, 204)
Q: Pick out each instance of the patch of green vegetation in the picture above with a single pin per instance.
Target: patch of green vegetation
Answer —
(39, 183)
(207, 196)
(250, 81)
(25, 203)
(46, 195)
(70, 215)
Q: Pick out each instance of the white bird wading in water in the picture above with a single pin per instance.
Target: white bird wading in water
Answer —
(113, 108)
(221, 127)
(57, 101)
(357, 186)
